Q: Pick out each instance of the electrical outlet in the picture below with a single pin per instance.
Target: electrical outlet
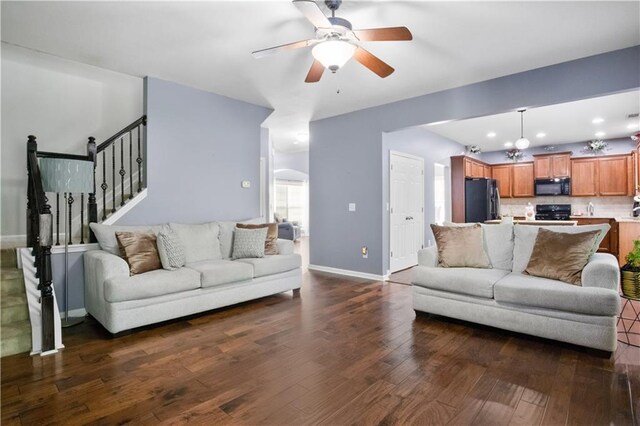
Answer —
(246, 184)
(365, 252)
(352, 207)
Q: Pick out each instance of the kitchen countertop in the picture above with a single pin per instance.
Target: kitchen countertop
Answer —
(538, 222)
(616, 218)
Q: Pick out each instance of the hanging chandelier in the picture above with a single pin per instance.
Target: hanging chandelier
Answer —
(522, 143)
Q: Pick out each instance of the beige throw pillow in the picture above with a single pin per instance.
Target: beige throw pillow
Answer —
(561, 256)
(460, 246)
(139, 250)
(271, 243)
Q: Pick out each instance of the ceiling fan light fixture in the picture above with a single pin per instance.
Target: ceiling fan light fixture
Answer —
(522, 143)
(333, 54)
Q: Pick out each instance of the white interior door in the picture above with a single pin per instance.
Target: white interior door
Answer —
(406, 211)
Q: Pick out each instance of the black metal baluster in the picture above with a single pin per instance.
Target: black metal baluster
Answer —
(130, 165)
(82, 218)
(70, 201)
(104, 186)
(113, 177)
(57, 218)
(139, 161)
(122, 171)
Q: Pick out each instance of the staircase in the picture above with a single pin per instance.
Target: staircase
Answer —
(30, 319)
(16, 327)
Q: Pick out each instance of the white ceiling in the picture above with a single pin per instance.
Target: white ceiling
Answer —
(562, 123)
(207, 45)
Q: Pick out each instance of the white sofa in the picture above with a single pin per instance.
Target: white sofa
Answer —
(209, 280)
(506, 298)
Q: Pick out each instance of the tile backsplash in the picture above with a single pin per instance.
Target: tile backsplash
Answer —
(604, 206)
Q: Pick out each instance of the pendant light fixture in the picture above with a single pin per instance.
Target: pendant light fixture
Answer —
(522, 143)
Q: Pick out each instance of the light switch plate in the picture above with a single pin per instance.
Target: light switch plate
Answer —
(352, 207)
(246, 184)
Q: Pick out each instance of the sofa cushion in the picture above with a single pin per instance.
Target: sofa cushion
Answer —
(275, 264)
(460, 246)
(498, 243)
(561, 256)
(219, 272)
(106, 234)
(537, 292)
(200, 241)
(270, 245)
(525, 239)
(140, 251)
(249, 243)
(470, 281)
(150, 284)
(226, 235)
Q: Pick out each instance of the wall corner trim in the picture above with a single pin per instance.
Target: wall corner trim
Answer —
(349, 273)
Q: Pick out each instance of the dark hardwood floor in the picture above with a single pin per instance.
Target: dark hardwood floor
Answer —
(344, 351)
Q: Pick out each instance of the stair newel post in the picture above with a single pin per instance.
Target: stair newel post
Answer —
(92, 205)
(45, 280)
(32, 148)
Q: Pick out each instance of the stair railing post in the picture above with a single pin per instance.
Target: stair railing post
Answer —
(32, 147)
(92, 205)
(46, 291)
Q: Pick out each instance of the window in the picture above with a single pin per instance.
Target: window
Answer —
(292, 201)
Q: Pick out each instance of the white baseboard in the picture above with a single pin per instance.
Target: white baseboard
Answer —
(128, 205)
(75, 248)
(13, 241)
(74, 313)
(349, 273)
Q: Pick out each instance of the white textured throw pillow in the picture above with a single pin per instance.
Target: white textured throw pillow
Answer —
(170, 250)
(248, 243)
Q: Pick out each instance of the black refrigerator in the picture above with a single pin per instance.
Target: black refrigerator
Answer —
(481, 199)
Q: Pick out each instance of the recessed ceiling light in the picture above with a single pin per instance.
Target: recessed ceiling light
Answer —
(632, 126)
(491, 134)
(597, 120)
(508, 144)
(541, 135)
(600, 134)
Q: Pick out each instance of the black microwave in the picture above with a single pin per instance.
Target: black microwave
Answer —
(556, 186)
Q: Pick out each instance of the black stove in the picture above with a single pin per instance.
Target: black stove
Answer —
(553, 211)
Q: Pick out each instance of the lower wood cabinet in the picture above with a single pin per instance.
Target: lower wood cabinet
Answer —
(610, 243)
(628, 232)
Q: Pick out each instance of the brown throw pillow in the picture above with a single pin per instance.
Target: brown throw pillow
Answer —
(270, 244)
(460, 246)
(561, 256)
(139, 250)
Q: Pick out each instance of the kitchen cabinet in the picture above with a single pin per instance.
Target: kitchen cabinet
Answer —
(628, 232)
(502, 174)
(602, 176)
(463, 167)
(610, 242)
(487, 171)
(584, 177)
(477, 170)
(549, 166)
(522, 180)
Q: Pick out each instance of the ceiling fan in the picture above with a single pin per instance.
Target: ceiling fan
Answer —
(336, 41)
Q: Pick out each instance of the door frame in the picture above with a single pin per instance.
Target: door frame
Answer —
(413, 157)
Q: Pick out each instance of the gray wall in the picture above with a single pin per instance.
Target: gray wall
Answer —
(200, 146)
(62, 103)
(616, 146)
(433, 149)
(346, 155)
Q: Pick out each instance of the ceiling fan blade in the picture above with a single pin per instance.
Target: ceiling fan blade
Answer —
(372, 62)
(315, 72)
(312, 12)
(384, 34)
(270, 51)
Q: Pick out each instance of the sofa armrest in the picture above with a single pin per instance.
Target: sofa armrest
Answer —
(100, 265)
(428, 256)
(602, 271)
(285, 246)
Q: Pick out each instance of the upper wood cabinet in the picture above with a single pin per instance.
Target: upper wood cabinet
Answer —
(502, 174)
(602, 176)
(475, 169)
(522, 180)
(548, 166)
(487, 172)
